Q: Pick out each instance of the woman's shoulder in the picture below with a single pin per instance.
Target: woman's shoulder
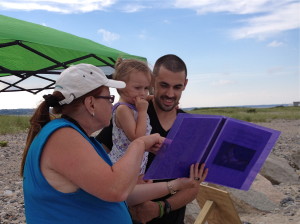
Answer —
(59, 124)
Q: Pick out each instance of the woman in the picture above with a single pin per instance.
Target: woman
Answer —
(67, 175)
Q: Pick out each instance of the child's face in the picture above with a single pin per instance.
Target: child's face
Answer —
(137, 86)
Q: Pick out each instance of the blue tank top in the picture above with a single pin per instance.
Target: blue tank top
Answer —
(44, 204)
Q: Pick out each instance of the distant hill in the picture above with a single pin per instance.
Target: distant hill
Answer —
(31, 111)
(247, 106)
(16, 112)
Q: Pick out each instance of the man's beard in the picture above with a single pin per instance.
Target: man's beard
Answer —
(158, 102)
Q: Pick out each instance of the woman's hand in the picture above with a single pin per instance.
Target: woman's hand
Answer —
(197, 175)
(152, 142)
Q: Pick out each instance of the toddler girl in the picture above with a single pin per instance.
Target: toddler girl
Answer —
(130, 119)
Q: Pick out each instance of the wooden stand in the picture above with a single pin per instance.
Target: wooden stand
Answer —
(217, 207)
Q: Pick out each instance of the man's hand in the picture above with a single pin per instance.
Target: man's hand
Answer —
(144, 212)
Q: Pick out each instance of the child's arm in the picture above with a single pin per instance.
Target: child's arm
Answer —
(125, 119)
(150, 191)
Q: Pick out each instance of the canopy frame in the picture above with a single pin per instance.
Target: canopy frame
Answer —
(32, 55)
(23, 75)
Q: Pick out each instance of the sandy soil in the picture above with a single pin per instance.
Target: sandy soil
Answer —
(11, 195)
(288, 211)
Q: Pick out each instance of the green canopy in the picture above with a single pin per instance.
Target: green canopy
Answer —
(30, 50)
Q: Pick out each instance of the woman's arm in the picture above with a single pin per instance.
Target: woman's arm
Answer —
(67, 154)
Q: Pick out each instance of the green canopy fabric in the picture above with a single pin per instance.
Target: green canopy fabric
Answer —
(32, 50)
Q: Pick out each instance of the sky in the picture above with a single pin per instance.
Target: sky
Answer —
(238, 52)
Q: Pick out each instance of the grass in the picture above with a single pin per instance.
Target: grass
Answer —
(10, 124)
(253, 114)
(3, 143)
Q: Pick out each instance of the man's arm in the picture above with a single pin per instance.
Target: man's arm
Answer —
(144, 212)
(149, 210)
(183, 197)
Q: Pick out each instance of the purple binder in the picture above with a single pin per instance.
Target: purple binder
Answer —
(233, 150)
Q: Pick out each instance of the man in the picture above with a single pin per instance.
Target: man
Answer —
(170, 80)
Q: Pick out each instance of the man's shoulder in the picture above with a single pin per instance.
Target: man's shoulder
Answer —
(151, 110)
(180, 111)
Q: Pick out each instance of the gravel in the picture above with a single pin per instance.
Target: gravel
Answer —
(11, 194)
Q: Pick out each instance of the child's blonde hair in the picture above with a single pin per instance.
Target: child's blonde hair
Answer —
(124, 67)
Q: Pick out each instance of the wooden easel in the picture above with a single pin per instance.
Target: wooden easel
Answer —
(217, 207)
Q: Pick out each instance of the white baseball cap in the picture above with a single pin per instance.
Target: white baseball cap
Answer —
(78, 80)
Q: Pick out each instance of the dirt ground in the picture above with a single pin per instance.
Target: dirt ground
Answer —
(11, 195)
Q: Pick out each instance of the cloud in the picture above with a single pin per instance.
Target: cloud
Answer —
(275, 44)
(263, 18)
(276, 71)
(265, 26)
(223, 82)
(266, 18)
(60, 6)
(22, 99)
(131, 8)
(108, 36)
(230, 6)
(143, 35)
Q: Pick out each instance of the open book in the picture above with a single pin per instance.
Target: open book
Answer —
(233, 150)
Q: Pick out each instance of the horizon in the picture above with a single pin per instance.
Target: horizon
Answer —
(188, 108)
(235, 53)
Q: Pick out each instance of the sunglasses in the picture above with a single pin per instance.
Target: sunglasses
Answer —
(111, 98)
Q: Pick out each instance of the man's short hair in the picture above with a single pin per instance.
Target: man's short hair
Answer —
(171, 62)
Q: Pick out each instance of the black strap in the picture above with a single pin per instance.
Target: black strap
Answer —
(167, 208)
(74, 122)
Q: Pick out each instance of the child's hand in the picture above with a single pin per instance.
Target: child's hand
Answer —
(197, 175)
(141, 104)
(142, 181)
(149, 98)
